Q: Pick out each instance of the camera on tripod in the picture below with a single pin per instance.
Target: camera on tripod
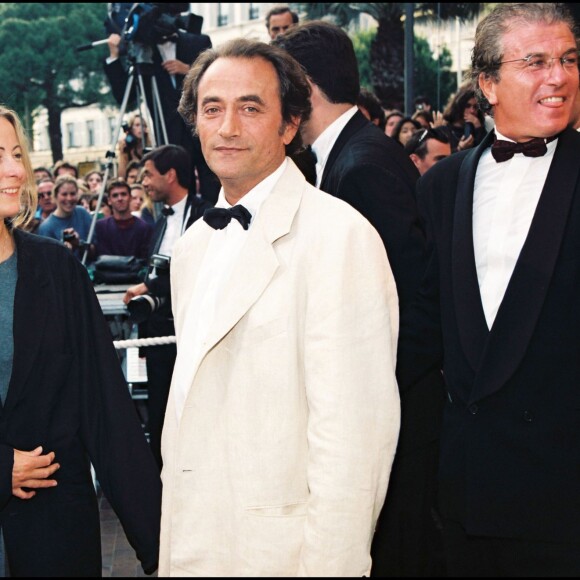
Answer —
(142, 25)
(142, 307)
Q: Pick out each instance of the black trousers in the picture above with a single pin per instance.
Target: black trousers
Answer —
(159, 361)
(476, 556)
(408, 540)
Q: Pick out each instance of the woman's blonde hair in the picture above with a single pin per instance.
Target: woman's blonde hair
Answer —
(28, 194)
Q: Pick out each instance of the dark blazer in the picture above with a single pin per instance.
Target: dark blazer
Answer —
(67, 393)
(371, 172)
(188, 47)
(510, 450)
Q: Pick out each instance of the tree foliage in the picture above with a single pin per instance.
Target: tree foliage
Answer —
(39, 65)
(387, 48)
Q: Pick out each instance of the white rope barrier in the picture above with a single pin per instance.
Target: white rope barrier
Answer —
(138, 342)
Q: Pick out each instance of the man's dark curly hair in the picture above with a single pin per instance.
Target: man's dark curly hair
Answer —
(294, 87)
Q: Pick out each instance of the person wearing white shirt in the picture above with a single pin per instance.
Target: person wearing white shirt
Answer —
(499, 312)
(283, 413)
(166, 174)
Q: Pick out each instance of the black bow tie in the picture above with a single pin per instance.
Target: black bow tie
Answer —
(505, 150)
(219, 217)
(167, 210)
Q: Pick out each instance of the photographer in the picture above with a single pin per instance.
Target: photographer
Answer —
(166, 176)
(171, 51)
(133, 143)
(69, 223)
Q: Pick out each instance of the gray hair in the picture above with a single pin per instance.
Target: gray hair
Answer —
(488, 51)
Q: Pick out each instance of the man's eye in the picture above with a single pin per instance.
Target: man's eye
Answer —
(537, 62)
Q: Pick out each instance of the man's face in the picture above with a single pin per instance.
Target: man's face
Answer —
(239, 122)
(154, 183)
(279, 23)
(41, 174)
(530, 102)
(435, 152)
(119, 199)
(45, 200)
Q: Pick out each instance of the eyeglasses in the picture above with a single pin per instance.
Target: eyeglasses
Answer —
(543, 62)
(44, 194)
(116, 195)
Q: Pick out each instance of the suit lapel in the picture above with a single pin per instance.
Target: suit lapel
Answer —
(355, 124)
(257, 262)
(471, 323)
(530, 281)
(30, 312)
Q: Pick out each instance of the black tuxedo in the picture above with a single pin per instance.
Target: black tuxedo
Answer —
(188, 46)
(510, 449)
(67, 393)
(160, 360)
(371, 172)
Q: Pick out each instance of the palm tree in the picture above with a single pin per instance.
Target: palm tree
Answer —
(387, 49)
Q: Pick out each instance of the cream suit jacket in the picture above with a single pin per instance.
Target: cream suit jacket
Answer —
(280, 463)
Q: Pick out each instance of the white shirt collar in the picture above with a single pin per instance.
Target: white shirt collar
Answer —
(256, 196)
(326, 140)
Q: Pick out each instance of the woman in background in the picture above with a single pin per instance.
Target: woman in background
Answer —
(65, 401)
(131, 147)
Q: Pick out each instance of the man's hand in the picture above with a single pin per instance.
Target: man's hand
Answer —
(32, 470)
(114, 41)
(137, 290)
(176, 67)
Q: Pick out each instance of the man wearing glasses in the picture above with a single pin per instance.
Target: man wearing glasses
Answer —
(500, 313)
(46, 203)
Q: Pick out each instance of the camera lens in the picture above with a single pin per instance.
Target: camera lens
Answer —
(141, 307)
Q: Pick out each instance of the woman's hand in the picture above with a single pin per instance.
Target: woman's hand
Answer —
(31, 469)
(466, 143)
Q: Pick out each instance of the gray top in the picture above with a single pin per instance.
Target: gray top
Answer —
(8, 277)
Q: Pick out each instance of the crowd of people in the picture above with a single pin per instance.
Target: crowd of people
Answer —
(375, 313)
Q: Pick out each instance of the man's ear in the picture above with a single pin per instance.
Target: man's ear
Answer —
(415, 159)
(488, 88)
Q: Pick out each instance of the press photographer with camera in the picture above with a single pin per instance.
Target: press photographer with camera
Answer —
(69, 223)
(166, 176)
(133, 143)
(159, 43)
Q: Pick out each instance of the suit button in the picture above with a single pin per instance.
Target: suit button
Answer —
(473, 409)
(528, 416)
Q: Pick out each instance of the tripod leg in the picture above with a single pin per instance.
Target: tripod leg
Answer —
(110, 156)
(159, 108)
(154, 140)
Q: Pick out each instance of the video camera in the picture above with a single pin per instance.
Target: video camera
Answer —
(141, 307)
(150, 23)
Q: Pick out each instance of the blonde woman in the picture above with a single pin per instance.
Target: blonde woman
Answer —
(65, 402)
(131, 142)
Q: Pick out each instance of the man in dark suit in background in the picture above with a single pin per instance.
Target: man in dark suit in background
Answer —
(500, 311)
(171, 57)
(166, 175)
(356, 162)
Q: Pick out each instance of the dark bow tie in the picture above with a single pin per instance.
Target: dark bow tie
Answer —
(167, 210)
(505, 150)
(219, 217)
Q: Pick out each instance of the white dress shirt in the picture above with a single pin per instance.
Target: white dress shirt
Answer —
(505, 198)
(222, 251)
(175, 227)
(326, 140)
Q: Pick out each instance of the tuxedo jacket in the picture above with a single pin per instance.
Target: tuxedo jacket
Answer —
(372, 172)
(280, 461)
(67, 393)
(510, 450)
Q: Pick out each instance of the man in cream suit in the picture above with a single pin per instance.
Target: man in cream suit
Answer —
(283, 414)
